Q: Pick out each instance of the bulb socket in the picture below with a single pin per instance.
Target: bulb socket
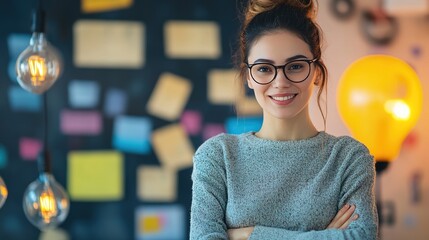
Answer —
(38, 21)
(44, 162)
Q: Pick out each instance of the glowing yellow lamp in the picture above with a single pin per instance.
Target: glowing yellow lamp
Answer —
(379, 98)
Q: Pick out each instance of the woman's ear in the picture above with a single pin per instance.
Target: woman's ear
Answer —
(249, 83)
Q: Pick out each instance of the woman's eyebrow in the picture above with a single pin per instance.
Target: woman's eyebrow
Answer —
(264, 60)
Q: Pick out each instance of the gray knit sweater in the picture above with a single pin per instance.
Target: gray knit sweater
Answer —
(286, 189)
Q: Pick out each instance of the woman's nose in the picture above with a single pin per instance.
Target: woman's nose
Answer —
(281, 80)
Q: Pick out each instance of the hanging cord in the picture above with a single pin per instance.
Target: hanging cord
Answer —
(44, 160)
(38, 18)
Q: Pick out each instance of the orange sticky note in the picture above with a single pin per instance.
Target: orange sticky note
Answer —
(92, 6)
(156, 184)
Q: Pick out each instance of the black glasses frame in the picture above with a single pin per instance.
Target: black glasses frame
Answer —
(308, 61)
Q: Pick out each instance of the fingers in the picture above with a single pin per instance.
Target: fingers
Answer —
(344, 217)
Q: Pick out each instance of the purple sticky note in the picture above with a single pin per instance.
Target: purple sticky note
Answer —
(81, 122)
(115, 102)
(191, 122)
(132, 134)
(212, 129)
(29, 148)
(83, 94)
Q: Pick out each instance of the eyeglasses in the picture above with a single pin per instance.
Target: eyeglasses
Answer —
(295, 71)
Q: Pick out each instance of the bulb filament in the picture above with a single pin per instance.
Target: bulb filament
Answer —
(48, 206)
(38, 70)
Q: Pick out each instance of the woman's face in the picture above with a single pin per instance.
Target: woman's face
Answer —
(282, 98)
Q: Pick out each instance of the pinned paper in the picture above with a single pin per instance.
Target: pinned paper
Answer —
(23, 101)
(248, 106)
(160, 223)
(169, 97)
(3, 156)
(173, 147)
(17, 43)
(212, 129)
(115, 102)
(156, 184)
(108, 44)
(191, 121)
(93, 6)
(81, 122)
(29, 148)
(224, 87)
(192, 39)
(235, 125)
(132, 134)
(83, 94)
(95, 175)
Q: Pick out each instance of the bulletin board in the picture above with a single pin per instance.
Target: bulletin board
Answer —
(144, 84)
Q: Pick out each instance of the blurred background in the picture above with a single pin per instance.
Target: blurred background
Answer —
(144, 83)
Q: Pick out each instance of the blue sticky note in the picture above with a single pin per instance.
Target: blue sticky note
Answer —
(115, 102)
(21, 100)
(17, 43)
(83, 93)
(132, 134)
(234, 125)
(3, 157)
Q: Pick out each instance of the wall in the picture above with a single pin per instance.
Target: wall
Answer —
(115, 219)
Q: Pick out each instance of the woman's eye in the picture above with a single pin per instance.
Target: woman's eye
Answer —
(295, 67)
(264, 69)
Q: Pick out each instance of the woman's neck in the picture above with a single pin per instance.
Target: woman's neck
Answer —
(287, 129)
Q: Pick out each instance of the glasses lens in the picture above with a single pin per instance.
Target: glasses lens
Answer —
(297, 71)
(263, 72)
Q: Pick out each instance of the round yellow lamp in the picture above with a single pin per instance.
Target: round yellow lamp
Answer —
(379, 98)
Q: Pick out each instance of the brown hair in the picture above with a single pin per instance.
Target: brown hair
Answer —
(298, 16)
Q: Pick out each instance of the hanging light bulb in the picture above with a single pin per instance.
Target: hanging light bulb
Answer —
(3, 192)
(46, 204)
(39, 65)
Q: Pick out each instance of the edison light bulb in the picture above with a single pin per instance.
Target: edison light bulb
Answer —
(39, 65)
(380, 99)
(3, 192)
(46, 204)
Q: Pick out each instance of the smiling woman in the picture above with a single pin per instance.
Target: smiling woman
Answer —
(288, 180)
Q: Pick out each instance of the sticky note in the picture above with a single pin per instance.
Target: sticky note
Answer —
(54, 234)
(83, 93)
(158, 222)
(115, 102)
(132, 134)
(192, 39)
(169, 97)
(224, 87)
(95, 175)
(3, 156)
(156, 184)
(80, 122)
(108, 44)
(29, 148)
(191, 121)
(239, 125)
(17, 43)
(173, 147)
(248, 106)
(22, 101)
(93, 6)
(212, 129)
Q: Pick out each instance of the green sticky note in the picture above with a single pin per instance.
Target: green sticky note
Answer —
(95, 175)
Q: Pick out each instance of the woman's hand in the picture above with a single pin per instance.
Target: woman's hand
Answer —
(344, 217)
(240, 233)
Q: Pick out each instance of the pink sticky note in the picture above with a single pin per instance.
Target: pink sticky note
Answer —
(212, 129)
(80, 122)
(191, 122)
(29, 148)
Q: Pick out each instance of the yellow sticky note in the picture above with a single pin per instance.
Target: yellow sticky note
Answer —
(173, 147)
(248, 106)
(108, 44)
(91, 6)
(192, 39)
(156, 184)
(169, 97)
(224, 87)
(150, 224)
(95, 175)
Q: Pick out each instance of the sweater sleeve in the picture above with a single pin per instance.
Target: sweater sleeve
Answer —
(208, 194)
(357, 188)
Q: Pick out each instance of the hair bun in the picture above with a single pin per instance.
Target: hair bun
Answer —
(258, 6)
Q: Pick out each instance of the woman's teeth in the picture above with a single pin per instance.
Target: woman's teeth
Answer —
(283, 98)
